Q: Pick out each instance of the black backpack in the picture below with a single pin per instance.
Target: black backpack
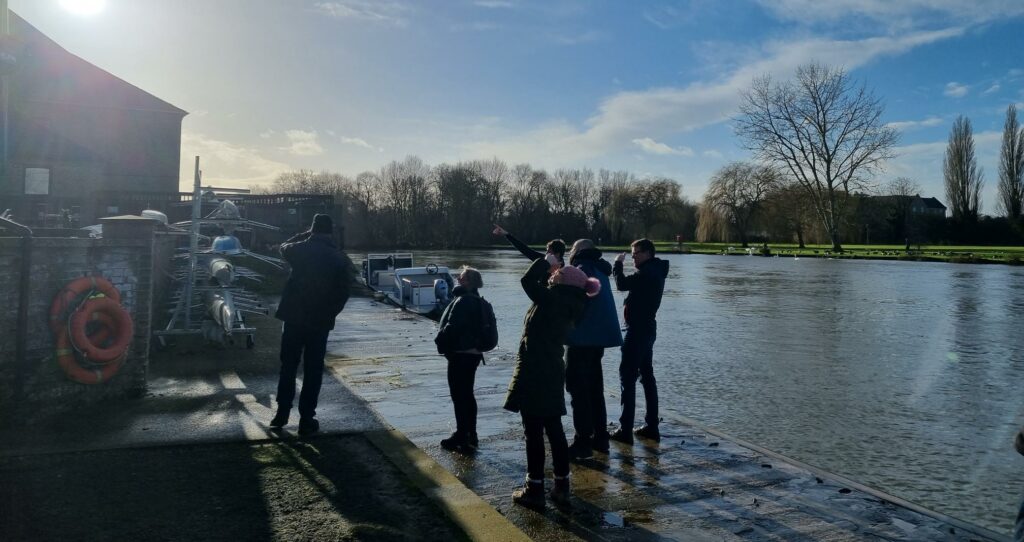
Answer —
(487, 340)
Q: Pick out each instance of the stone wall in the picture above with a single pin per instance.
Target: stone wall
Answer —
(37, 385)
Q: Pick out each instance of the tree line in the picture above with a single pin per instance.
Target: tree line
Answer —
(817, 141)
(410, 204)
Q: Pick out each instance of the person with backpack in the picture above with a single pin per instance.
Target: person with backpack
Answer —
(584, 378)
(462, 337)
(537, 388)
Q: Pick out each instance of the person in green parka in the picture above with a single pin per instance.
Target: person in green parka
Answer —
(537, 389)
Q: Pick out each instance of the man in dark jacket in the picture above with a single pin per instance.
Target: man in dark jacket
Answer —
(640, 308)
(315, 293)
(584, 379)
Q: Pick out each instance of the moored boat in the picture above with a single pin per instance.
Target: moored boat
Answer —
(423, 290)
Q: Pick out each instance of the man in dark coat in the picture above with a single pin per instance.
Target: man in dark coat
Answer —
(645, 288)
(314, 295)
(584, 379)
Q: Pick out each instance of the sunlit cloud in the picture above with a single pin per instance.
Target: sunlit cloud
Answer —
(905, 125)
(303, 143)
(226, 164)
(955, 90)
(994, 88)
(360, 142)
(653, 147)
(267, 134)
(661, 112)
(379, 11)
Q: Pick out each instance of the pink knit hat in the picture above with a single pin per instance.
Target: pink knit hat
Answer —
(573, 276)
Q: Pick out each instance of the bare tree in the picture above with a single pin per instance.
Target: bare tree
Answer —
(1011, 166)
(961, 172)
(823, 131)
(901, 191)
(789, 212)
(737, 192)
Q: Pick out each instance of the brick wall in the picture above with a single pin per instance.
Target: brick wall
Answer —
(125, 256)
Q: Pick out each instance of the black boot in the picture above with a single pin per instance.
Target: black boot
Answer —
(280, 419)
(530, 495)
(560, 493)
(454, 442)
(580, 449)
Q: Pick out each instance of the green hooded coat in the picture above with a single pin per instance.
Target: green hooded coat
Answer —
(538, 381)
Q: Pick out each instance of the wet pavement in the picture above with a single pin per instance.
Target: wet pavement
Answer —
(697, 484)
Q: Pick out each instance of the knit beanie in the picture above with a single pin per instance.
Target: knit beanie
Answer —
(573, 276)
(322, 224)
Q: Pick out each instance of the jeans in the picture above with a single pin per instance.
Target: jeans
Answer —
(638, 361)
(584, 380)
(309, 345)
(535, 427)
(461, 376)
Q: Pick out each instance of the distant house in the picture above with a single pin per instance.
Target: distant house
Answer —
(76, 132)
(926, 207)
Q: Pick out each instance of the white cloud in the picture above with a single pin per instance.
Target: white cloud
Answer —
(575, 39)
(303, 143)
(267, 134)
(653, 147)
(907, 13)
(905, 125)
(475, 26)
(360, 142)
(494, 4)
(380, 11)
(660, 112)
(994, 88)
(955, 90)
(712, 153)
(247, 166)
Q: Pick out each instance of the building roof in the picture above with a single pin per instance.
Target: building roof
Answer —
(58, 77)
(933, 203)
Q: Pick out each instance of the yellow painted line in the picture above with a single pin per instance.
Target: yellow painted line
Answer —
(479, 520)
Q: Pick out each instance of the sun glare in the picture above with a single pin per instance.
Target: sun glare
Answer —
(84, 7)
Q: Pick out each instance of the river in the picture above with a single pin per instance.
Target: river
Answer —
(904, 376)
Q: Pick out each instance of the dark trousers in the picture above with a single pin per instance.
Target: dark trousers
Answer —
(584, 380)
(638, 361)
(535, 427)
(461, 375)
(309, 345)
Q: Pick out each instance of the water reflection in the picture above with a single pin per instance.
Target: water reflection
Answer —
(901, 375)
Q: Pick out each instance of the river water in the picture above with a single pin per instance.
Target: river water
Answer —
(904, 376)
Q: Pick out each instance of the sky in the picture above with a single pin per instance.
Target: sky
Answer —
(651, 87)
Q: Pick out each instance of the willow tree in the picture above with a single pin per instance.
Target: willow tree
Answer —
(961, 173)
(821, 129)
(1011, 166)
(738, 190)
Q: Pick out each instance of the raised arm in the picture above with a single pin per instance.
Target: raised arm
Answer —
(622, 282)
(286, 246)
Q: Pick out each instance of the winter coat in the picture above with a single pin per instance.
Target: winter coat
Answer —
(318, 285)
(600, 323)
(645, 288)
(538, 380)
(459, 327)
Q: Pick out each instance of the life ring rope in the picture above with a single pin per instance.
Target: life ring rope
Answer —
(91, 328)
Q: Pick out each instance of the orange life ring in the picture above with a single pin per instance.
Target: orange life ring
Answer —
(66, 360)
(92, 309)
(64, 301)
(88, 322)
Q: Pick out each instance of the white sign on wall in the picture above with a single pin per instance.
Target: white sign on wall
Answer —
(37, 180)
